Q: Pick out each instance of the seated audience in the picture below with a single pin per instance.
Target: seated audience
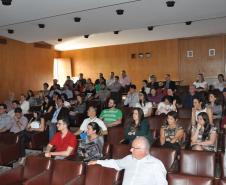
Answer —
(67, 104)
(200, 106)
(171, 93)
(111, 116)
(188, 99)
(64, 141)
(111, 79)
(155, 97)
(69, 83)
(101, 79)
(166, 105)
(200, 84)
(132, 97)
(215, 104)
(67, 91)
(145, 88)
(220, 84)
(5, 120)
(24, 104)
(138, 126)
(168, 83)
(171, 134)
(15, 104)
(140, 168)
(45, 90)
(153, 84)
(59, 112)
(89, 89)
(124, 79)
(55, 85)
(82, 79)
(54, 89)
(90, 148)
(36, 124)
(103, 94)
(92, 117)
(115, 86)
(19, 122)
(8, 101)
(47, 105)
(31, 98)
(144, 104)
(79, 107)
(204, 134)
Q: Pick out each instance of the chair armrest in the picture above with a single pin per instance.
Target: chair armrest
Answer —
(79, 180)
(12, 176)
(40, 179)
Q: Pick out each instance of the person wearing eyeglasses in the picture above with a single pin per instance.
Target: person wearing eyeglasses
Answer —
(140, 167)
(64, 141)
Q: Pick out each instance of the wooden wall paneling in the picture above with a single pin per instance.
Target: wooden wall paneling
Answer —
(212, 65)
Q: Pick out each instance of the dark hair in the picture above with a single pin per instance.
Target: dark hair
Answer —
(3, 105)
(200, 74)
(95, 127)
(18, 110)
(173, 114)
(218, 95)
(92, 106)
(133, 86)
(117, 77)
(220, 75)
(207, 125)
(46, 84)
(145, 99)
(112, 100)
(16, 101)
(201, 99)
(60, 98)
(145, 81)
(169, 98)
(64, 96)
(140, 117)
(38, 116)
(65, 120)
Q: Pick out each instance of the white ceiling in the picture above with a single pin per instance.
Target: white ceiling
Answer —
(100, 20)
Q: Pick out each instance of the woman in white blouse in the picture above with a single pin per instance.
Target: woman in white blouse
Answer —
(144, 104)
(200, 84)
(166, 105)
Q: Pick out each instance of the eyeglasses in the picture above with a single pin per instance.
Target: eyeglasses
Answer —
(136, 148)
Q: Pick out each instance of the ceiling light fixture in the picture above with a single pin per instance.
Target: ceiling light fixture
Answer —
(10, 31)
(120, 12)
(150, 28)
(170, 3)
(86, 36)
(116, 32)
(77, 19)
(188, 22)
(59, 39)
(6, 2)
(41, 25)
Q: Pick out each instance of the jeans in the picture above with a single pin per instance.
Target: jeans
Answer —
(52, 130)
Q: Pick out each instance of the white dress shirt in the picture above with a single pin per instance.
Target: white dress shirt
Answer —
(25, 106)
(86, 121)
(146, 171)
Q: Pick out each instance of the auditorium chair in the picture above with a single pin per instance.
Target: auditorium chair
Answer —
(184, 113)
(120, 150)
(155, 123)
(185, 123)
(62, 172)
(33, 166)
(127, 113)
(115, 134)
(197, 163)
(9, 148)
(107, 150)
(167, 156)
(98, 175)
(180, 179)
(223, 170)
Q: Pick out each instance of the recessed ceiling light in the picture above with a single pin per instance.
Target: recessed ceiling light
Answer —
(41, 25)
(150, 28)
(6, 2)
(120, 12)
(86, 36)
(10, 31)
(116, 32)
(77, 19)
(188, 22)
(170, 3)
(59, 39)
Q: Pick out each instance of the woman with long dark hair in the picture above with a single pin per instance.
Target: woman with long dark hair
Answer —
(144, 104)
(171, 134)
(203, 135)
(138, 126)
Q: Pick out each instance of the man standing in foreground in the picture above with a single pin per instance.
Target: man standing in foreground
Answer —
(140, 168)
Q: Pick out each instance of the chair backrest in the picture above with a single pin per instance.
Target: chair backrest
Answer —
(179, 179)
(115, 135)
(199, 163)
(166, 155)
(120, 150)
(64, 171)
(185, 123)
(184, 113)
(155, 123)
(98, 175)
(9, 138)
(222, 182)
(35, 165)
(107, 150)
(223, 166)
